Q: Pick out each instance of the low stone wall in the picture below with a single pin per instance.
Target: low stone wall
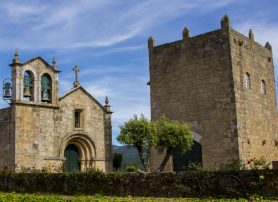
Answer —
(186, 184)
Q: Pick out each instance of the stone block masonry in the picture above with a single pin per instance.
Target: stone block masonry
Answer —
(201, 80)
(37, 131)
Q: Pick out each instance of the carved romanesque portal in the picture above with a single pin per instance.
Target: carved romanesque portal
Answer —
(72, 157)
(79, 152)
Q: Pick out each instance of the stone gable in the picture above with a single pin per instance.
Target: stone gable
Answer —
(38, 134)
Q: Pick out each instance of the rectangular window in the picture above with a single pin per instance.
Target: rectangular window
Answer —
(78, 118)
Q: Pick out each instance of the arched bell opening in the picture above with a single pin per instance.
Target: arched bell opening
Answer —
(28, 86)
(46, 88)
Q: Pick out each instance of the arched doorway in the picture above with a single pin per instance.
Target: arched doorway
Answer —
(85, 148)
(72, 156)
(181, 161)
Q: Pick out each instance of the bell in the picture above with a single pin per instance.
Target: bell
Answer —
(7, 93)
(26, 92)
(45, 96)
(7, 90)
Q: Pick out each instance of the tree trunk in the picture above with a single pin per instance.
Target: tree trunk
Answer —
(165, 160)
(147, 169)
(142, 159)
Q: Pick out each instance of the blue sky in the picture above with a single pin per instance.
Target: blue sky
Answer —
(108, 39)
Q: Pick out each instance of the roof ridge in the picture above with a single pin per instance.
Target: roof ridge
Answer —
(43, 60)
(86, 92)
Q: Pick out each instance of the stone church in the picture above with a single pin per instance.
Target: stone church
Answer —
(222, 83)
(44, 131)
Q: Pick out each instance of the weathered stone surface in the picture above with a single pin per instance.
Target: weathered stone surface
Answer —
(35, 134)
(200, 80)
(256, 113)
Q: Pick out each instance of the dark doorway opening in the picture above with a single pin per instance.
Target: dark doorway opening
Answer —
(181, 161)
(72, 162)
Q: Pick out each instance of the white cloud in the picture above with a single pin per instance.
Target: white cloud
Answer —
(64, 86)
(78, 24)
(118, 50)
(128, 95)
(98, 91)
(18, 12)
(68, 25)
(263, 32)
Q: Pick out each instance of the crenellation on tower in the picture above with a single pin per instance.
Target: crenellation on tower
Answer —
(151, 42)
(251, 35)
(268, 46)
(185, 33)
(225, 22)
(203, 81)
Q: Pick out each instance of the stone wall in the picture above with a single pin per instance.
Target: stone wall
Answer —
(97, 125)
(35, 134)
(43, 132)
(6, 138)
(200, 80)
(191, 80)
(256, 112)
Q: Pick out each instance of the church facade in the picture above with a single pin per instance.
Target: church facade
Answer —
(41, 130)
(222, 83)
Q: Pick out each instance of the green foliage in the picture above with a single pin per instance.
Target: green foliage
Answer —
(171, 136)
(7, 197)
(137, 132)
(131, 168)
(258, 164)
(252, 164)
(140, 133)
(252, 183)
(163, 134)
(232, 165)
(195, 166)
(117, 160)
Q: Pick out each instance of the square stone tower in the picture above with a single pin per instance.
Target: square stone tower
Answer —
(222, 84)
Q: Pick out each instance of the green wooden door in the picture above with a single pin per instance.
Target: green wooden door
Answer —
(72, 158)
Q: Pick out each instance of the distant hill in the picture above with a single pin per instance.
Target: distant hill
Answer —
(130, 155)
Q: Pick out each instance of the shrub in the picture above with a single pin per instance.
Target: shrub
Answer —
(233, 165)
(258, 164)
(131, 168)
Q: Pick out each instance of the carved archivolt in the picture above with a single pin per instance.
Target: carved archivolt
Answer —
(83, 142)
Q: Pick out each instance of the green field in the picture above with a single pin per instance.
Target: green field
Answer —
(13, 197)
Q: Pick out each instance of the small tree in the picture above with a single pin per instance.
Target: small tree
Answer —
(139, 133)
(117, 160)
(172, 136)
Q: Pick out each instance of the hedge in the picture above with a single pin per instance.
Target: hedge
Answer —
(183, 184)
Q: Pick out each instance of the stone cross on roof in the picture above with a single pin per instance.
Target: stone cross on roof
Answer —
(76, 82)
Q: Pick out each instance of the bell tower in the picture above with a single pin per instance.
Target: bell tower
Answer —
(34, 81)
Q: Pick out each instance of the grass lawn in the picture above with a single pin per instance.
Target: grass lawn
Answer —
(13, 197)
